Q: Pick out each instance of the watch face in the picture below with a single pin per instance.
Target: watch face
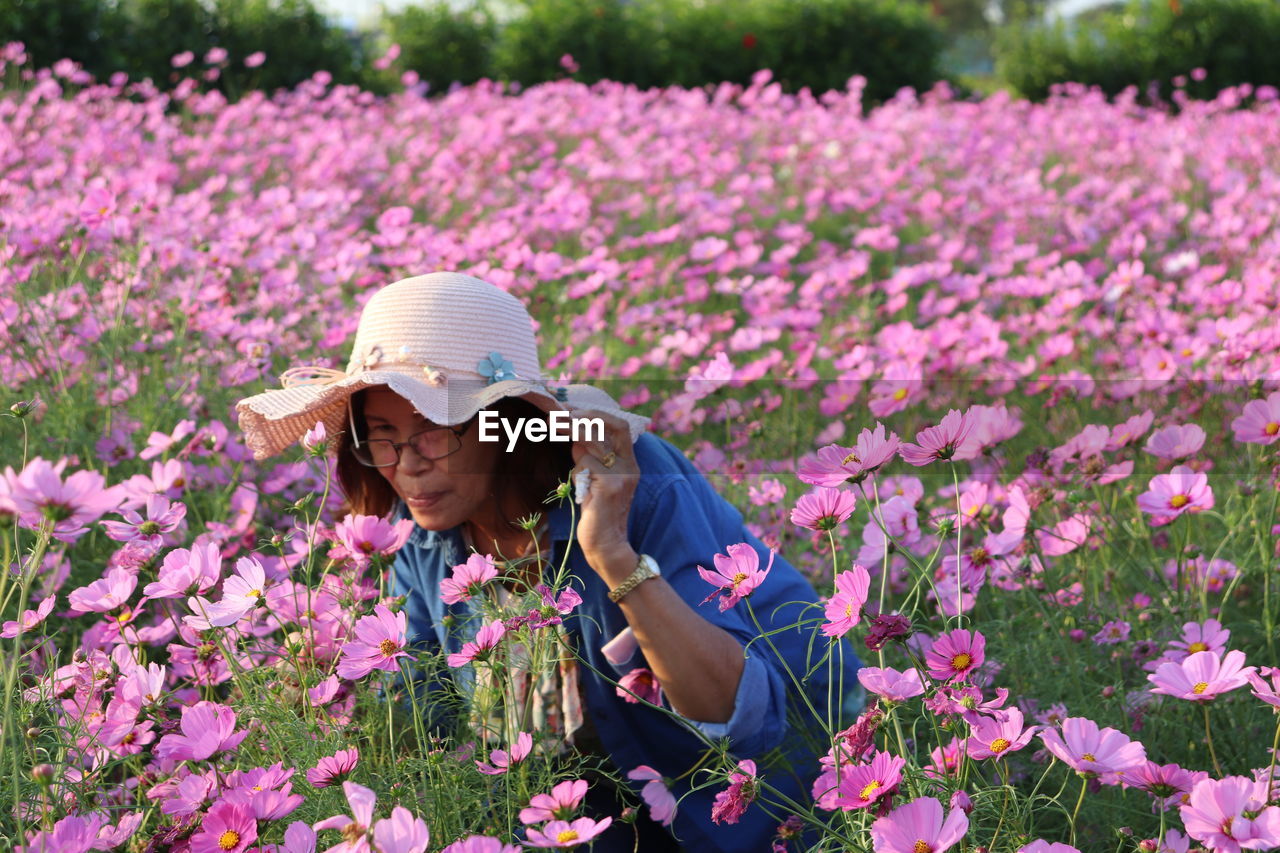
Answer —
(652, 564)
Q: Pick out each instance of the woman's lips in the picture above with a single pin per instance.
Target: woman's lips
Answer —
(426, 501)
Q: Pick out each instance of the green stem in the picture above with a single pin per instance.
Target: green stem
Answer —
(1208, 736)
(1084, 783)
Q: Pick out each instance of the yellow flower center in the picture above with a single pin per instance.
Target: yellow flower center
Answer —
(848, 610)
(1201, 686)
(388, 647)
(1271, 428)
(1088, 756)
(900, 394)
(739, 578)
(565, 836)
(852, 457)
(229, 840)
(961, 661)
(999, 745)
(1197, 647)
(869, 790)
(1186, 352)
(1179, 501)
(921, 846)
(255, 593)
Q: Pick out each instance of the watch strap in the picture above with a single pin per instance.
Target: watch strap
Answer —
(643, 571)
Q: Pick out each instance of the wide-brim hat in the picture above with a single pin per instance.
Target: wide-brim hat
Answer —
(448, 343)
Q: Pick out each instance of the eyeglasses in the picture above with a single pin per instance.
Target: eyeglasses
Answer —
(434, 443)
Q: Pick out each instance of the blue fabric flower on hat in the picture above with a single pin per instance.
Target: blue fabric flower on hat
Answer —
(495, 368)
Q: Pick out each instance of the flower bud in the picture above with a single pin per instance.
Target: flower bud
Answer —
(43, 774)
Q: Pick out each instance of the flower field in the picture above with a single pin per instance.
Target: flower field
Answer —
(1002, 379)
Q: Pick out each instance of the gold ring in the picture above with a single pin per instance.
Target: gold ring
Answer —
(609, 459)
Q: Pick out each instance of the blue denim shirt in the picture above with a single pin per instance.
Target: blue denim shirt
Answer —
(678, 519)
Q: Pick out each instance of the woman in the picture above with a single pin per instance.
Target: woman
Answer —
(434, 352)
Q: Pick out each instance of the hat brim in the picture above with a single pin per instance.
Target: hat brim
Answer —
(274, 420)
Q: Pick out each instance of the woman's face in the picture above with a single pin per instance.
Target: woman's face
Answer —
(440, 493)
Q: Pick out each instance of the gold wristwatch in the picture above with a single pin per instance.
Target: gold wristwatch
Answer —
(645, 569)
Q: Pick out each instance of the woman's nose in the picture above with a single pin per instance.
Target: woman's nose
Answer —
(411, 461)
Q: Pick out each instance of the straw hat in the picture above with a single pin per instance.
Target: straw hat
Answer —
(448, 343)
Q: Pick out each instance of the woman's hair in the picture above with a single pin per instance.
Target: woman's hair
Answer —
(530, 471)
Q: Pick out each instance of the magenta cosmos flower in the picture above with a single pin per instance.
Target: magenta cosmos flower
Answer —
(956, 654)
(1202, 676)
(950, 439)
(366, 535)
(467, 579)
(1260, 422)
(863, 785)
(844, 609)
(401, 833)
(186, 572)
(731, 803)
(162, 517)
(560, 834)
(918, 827)
(207, 729)
(1180, 491)
(502, 761)
(1229, 815)
(824, 508)
(997, 736)
(227, 828)
(737, 574)
(379, 644)
(560, 804)
(333, 768)
(355, 826)
(41, 495)
(1091, 751)
(890, 683)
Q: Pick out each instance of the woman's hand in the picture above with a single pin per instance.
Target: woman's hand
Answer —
(602, 517)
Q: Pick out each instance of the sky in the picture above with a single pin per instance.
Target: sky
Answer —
(354, 12)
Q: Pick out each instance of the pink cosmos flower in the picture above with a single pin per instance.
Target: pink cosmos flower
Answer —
(918, 827)
(106, 593)
(401, 833)
(227, 828)
(162, 517)
(1180, 491)
(1131, 430)
(890, 683)
(1169, 784)
(1207, 636)
(559, 834)
(480, 844)
(186, 572)
(844, 609)
(467, 579)
(1202, 677)
(39, 494)
(367, 535)
(487, 639)
(737, 574)
(993, 425)
(1176, 442)
(953, 656)
(640, 683)
(1269, 693)
(554, 609)
(502, 761)
(30, 620)
(824, 508)
(945, 760)
(862, 785)
(1042, 846)
(826, 467)
(1215, 814)
(316, 440)
(731, 803)
(298, 838)
(379, 643)
(355, 827)
(996, 737)
(559, 804)
(206, 614)
(247, 588)
(333, 768)
(1260, 422)
(1111, 633)
(655, 793)
(255, 59)
(207, 729)
(1091, 751)
(949, 440)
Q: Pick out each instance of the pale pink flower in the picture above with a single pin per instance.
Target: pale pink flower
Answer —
(401, 833)
(996, 737)
(1260, 422)
(186, 572)
(162, 517)
(918, 826)
(655, 793)
(367, 535)
(559, 834)
(1269, 693)
(354, 827)
(182, 60)
(737, 574)
(1091, 751)
(316, 440)
(559, 804)
(31, 619)
(106, 593)
(824, 508)
(1228, 815)
(480, 844)
(890, 683)
(379, 643)
(502, 761)
(1042, 846)
(255, 59)
(467, 579)
(40, 495)
(1176, 442)
(1202, 676)
(1180, 491)
(844, 609)
(207, 729)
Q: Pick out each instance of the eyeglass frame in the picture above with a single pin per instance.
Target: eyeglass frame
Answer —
(398, 446)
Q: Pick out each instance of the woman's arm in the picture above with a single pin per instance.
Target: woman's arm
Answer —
(698, 664)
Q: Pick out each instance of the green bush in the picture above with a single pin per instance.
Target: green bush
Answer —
(83, 30)
(443, 44)
(297, 39)
(1149, 43)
